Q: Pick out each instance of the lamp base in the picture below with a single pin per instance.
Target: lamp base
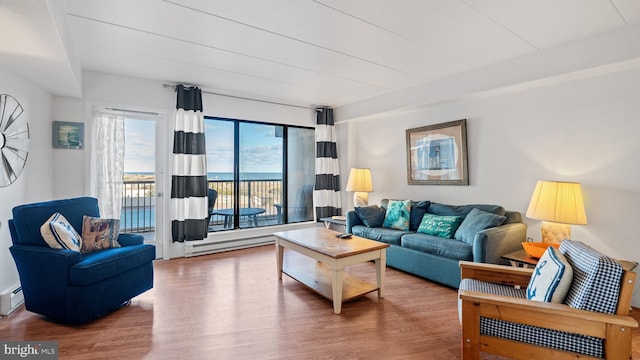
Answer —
(360, 199)
(554, 233)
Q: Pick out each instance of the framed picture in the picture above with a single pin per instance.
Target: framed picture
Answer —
(437, 154)
(68, 135)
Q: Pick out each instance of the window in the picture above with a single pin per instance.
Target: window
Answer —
(259, 174)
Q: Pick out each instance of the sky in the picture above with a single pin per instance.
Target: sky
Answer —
(260, 149)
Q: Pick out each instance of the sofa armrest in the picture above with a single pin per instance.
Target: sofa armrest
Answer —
(352, 220)
(490, 244)
(126, 239)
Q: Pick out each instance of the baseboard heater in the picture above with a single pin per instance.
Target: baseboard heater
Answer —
(11, 299)
(227, 245)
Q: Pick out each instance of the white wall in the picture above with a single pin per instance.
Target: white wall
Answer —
(583, 130)
(144, 95)
(35, 183)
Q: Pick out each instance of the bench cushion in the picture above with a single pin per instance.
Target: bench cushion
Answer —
(526, 333)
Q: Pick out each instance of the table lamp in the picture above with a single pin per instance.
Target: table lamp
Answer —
(360, 183)
(558, 204)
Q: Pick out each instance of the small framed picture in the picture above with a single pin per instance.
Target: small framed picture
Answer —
(68, 135)
(437, 154)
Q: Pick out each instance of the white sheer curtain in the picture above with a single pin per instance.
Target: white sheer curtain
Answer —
(107, 162)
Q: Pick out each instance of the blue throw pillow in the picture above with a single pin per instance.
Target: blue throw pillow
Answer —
(475, 221)
(442, 226)
(397, 216)
(551, 279)
(371, 216)
(418, 209)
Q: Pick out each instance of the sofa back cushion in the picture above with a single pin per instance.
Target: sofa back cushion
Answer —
(596, 278)
(28, 218)
(463, 210)
(477, 220)
(418, 209)
(371, 216)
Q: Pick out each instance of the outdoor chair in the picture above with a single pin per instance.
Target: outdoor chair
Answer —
(67, 285)
(592, 322)
(212, 196)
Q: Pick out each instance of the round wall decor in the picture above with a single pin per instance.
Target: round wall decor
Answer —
(14, 140)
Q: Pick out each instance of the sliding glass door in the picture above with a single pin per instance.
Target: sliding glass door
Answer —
(262, 174)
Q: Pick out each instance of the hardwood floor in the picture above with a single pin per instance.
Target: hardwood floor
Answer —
(231, 306)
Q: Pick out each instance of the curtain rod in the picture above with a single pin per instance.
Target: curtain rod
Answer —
(243, 98)
(132, 111)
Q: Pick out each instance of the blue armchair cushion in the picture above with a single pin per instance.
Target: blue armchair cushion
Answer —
(371, 216)
(103, 264)
(58, 233)
(25, 216)
(477, 220)
(397, 216)
(551, 278)
(99, 233)
(443, 226)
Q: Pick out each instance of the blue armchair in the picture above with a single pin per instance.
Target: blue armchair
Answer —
(68, 286)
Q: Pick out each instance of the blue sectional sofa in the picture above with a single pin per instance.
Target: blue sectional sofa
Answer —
(436, 258)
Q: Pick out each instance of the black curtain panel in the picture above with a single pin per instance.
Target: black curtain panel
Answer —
(189, 177)
(327, 186)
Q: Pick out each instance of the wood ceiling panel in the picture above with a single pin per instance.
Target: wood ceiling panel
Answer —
(630, 10)
(200, 29)
(450, 27)
(318, 25)
(546, 23)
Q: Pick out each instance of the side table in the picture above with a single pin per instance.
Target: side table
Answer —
(338, 225)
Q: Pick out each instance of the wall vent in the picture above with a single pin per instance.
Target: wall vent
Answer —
(11, 299)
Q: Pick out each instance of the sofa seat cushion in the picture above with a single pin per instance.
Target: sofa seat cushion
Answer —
(99, 265)
(449, 248)
(389, 236)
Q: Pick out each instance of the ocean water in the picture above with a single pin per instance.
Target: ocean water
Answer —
(229, 175)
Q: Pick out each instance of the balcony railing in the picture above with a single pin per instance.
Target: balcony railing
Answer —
(139, 202)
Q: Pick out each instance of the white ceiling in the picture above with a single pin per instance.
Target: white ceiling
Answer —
(331, 52)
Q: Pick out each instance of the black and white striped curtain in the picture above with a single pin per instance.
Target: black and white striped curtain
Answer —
(189, 177)
(327, 188)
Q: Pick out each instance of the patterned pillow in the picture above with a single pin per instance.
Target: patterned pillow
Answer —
(397, 216)
(99, 233)
(59, 234)
(551, 278)
(442, 226)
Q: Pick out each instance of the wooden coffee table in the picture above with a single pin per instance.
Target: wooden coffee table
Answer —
(333, 254)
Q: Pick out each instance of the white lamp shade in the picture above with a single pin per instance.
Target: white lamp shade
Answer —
(559, 202)
(360, 180)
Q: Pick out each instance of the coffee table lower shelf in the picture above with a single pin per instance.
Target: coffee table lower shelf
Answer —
(318, 279)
